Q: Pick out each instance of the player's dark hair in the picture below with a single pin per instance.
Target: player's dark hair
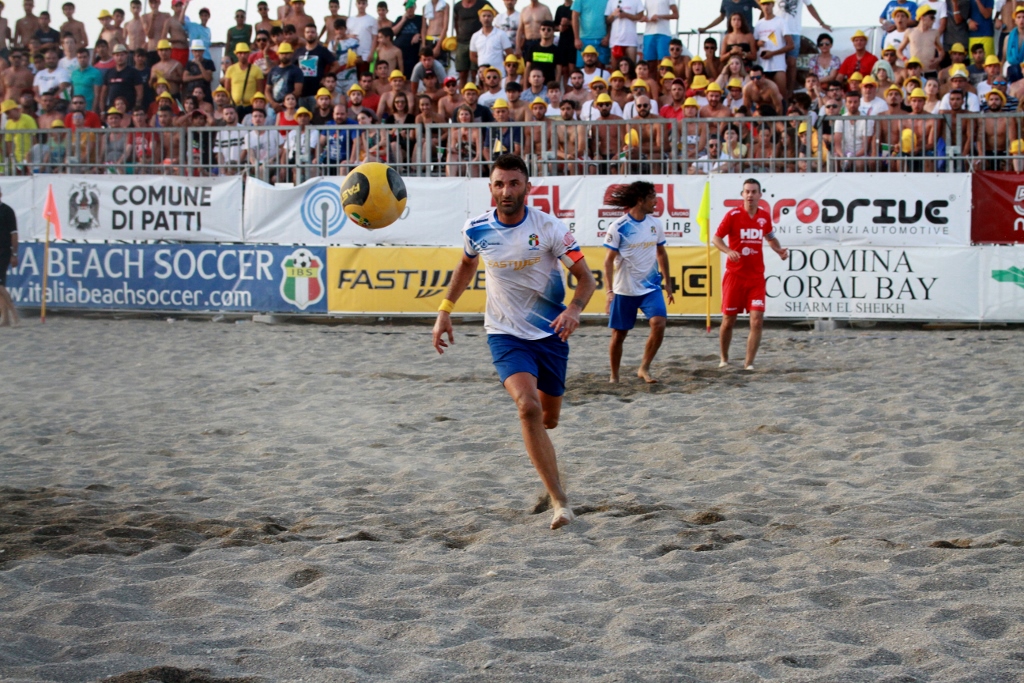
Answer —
(752, 181)
(628, 196)
(510, 162)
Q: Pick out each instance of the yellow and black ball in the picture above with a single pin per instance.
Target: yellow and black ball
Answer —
(373, 195)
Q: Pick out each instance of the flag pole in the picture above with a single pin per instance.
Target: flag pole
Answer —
(46, 271)
(707, 298)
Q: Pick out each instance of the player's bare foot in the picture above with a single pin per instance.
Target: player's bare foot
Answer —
(645, 375)
(723, 363)
(563, 516)
(613, 379)
(749, 368)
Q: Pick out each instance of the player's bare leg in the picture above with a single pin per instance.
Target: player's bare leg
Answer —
(754, 340)
(522, 387)
(725, 339)
(615, 353)
(8, 312)
(651, 349)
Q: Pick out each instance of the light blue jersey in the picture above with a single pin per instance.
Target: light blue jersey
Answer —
(635, 244)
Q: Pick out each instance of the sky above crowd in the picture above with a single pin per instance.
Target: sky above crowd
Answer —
(693, 15)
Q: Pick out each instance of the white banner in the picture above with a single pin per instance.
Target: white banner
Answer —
(874, 283)
(311, 213)
(1002, 283)
(17, 194)
(858, 209)
(143, 208)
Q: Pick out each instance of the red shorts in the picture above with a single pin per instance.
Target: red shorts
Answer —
(742, 295)
(180, 55)
(618, 52)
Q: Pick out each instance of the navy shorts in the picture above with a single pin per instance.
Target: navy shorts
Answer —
(624, 308)
(546, 359)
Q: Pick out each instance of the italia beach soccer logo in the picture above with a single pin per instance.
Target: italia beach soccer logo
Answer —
(302, 285)
(322, 212)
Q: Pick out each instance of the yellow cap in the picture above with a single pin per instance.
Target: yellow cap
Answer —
(114, 110)
(8, 105)
(603, 98)
(669, 76)
(633, 138)
(667, 61)
(358, 88)
(992, 60)
(996, 91)
(638, 83)
(597, 79)
(913, 79)
(259, 96)
(538, 100)
(617, 74)
(696, 58)
(324, 92)
(923, 10)
(494, 69)
(714, 87)
(449, 44)
(164, 45)
(285, 49)
(858, 34)
(396, 75)
(162, 81)
(590, 50)
(887, 49)
(914, 60)
(241, 47)
(691, 102)
(295, 1)
(699, 82)
(868, 80)
(917, 94)
(487, 8)
(1015, 146)
(219, 89)
(303, 111)
(908, 140)
(351, 58)
(511, 58)
(904, 10)
(470, 86)
(892, 88)
(165, 96)
(802, 128)
(959, 47)
(857, 76)
(735, 83)
(765, 2)
(104, 14)
(57, 124)
(500, 103)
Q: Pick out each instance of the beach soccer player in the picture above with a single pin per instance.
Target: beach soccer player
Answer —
(8, 257)
(635, 268)
(743, 290)
(526, 320)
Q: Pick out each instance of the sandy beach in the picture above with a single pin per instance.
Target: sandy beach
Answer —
(194, 501)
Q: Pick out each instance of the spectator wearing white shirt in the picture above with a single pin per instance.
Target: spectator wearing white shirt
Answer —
(639, 88)
(301, 145)
(489, 45)
(591, 66)
(363, 27)
(960, 79)
(791, 12)
(508, 21)
(893, 39)
(772, 45)
(854, 138)
(492, 90)
(230, 140)
(870, 103)
(622, 34)
(51, 77)
(260, 147)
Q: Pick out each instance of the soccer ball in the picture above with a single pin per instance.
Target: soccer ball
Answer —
(373, 195)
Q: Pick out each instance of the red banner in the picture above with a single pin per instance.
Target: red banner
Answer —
(997, 208)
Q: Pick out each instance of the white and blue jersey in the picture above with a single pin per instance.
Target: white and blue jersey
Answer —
(635, 244)
(525, 284)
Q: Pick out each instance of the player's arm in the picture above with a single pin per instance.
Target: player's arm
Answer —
(721, 246)
(609, 278)
(14, 244)
(569, 319)
(461, 278)
(773, 242)
(663, 266)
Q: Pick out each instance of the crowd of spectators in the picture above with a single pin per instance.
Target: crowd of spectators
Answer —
(578, 90)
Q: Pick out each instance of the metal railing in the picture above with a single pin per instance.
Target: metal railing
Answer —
(903, 143)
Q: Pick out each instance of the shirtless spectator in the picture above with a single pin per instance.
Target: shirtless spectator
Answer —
(576, 91)
(761, 91)
(299, 19)
(26, 27)
(651, 130)
(167, 68)
(715, 108)
(435, 17)
(528, 33)
(155, 24)
(958, 56)
(960, 131)
(114, 35)
(135, 30)
(994, 139)
(177, 33)
(917, 135)
(18, 77)
(451, 100)
(606, 133)
(267, 24)
(73, 26)
(6, 37)
(924, 42)
(570, 140)
(517, 108)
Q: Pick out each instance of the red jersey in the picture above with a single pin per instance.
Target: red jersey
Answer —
(746, 235)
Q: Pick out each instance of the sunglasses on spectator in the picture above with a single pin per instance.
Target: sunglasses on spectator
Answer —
(755, 78)
(831, 106)
(643, 106)
(824, 42)
(998, 82)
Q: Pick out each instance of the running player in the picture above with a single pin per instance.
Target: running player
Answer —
(636, 252)
(526, 322)
(743, 289)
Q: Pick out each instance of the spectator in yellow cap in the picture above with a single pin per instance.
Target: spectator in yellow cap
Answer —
(489, 45)
(901, 20)
(397, 84)
(589, 110)
(17, 146)
(958, 57)
(243, 80)
(959, 80)
(592, 66)
(860, 61)
(924, 42)
(993, 70)
(285, 78)
(471, 95)
(918, 135)
(994, 138)
(324, 111)
(503, 139)
(167, 68)
(492, 89)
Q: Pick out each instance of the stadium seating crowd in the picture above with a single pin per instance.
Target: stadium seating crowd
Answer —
(439, 90)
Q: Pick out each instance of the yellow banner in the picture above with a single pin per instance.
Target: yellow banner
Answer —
(389, 280)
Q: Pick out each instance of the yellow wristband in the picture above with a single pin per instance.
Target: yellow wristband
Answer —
(446, 306)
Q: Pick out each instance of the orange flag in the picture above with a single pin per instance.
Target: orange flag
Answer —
(50, 212)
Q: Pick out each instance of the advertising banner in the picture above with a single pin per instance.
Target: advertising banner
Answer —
(1002, 283)
(391, 280)
(857, 209)
(875, 283)
(998, 201)
(311, 213)
(17, 194)
(180, 277)
(142, 208)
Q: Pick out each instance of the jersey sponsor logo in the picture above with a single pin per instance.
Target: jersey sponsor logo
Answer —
(517, 264)
(750, 234)
(757, 302)
(747, 251)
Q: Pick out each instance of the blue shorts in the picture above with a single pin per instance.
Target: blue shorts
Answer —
(624, 308)
(604, 54)
(656, 47)
(795, 52)
(546, 359)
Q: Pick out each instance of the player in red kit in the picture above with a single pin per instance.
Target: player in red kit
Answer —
(747, 228)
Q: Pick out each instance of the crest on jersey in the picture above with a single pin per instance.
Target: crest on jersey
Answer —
(534, 240)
